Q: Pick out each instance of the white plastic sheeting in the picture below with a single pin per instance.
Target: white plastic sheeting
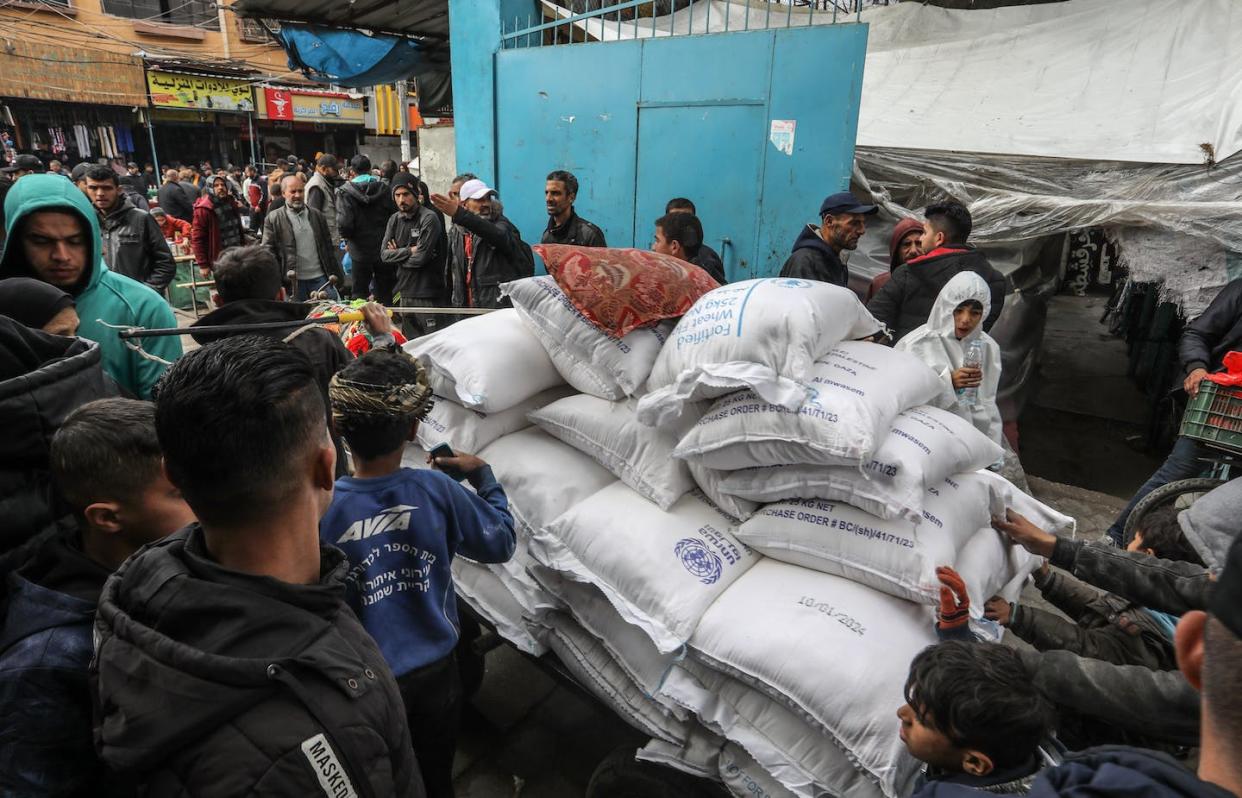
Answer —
(1144, 80)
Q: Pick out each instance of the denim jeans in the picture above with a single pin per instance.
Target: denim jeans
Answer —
(305, 287)
(1184, 462)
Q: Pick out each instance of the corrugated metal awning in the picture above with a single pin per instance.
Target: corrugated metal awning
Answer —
(426, 18)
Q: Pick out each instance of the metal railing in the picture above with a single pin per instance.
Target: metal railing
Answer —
(578, 21)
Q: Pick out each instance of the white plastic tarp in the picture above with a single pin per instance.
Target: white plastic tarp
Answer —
(1144, 80)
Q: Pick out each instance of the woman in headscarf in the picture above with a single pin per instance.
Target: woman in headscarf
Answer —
(38, 305)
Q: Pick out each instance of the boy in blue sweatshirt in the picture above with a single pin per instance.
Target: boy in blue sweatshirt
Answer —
(400, 529)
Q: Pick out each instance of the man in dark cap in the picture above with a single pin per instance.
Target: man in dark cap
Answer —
(817, 250)
(23, 165)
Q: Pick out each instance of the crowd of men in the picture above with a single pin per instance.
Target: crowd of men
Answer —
(189, 538)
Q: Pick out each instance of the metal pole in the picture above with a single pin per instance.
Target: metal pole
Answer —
(403, 102)
(254, 151)
(155, 158)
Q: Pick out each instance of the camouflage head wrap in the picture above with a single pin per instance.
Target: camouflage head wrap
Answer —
(352, 400)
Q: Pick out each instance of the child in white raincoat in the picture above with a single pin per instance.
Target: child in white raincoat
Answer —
(955, 321)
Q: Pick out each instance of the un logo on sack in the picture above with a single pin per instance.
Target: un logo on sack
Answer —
(789, 282)
(699, 560)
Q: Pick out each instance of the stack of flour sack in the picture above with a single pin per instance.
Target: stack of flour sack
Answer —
(729, 522)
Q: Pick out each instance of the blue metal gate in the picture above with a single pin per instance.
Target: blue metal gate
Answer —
(755, 127)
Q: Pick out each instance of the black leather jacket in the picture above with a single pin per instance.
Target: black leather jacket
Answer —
(134, 245)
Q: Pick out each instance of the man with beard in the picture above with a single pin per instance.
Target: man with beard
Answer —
(817, 251)
(217, 224)
(493, 251)
(414, 245)
(297, 235)
(565, 226)
(133, 244)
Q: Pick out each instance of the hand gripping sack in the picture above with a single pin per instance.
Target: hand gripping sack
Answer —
(856, 390)
(661, 570)
(923, 447)
(801, 757)
(620, 290)
(594, 668)
(469, 431)
(588, 358)
(543, 477)
(760, 334)
(897, 557)
(833, 651)
(1043, 516)
(489, 363)
(609, 432)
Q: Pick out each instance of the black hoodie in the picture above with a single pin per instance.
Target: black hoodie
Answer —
(813, 259)
(43, 378)
(906, 300)
(362, 211)
(212, 682)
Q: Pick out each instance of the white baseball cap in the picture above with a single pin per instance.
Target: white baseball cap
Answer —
(475, 189)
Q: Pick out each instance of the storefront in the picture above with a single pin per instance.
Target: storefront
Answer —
(103, 119)
(201, 117)
(305, 122)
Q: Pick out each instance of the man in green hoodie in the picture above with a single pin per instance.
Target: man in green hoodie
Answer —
(53, 235)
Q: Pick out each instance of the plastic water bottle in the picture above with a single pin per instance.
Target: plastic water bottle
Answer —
(972, 360)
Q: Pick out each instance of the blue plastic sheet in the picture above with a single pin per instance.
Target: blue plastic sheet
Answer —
(350, 58)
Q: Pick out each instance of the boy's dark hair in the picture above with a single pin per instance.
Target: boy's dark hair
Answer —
(1163, 535)
(952, 219)
(106, 449)
(973, 304)
(371, 435)
(571, 182)
(680, 204)
(235, 420)
(980, 696)
(360, 164)
(247, 273)
(685, 229)
(102, 174)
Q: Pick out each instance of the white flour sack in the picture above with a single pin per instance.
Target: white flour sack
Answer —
(855, 391)
(898, 557)
(487, 595)
(833, 650)
(542, 477)
(594, 668)
(628, 644)
(698, 755)
(710, 483)
(588, 358)
(760, 334)
(923, 446)
(490, 362)
(801, 757)
(1040, 514)
(661, 570)
(468, 431)
(640, 456)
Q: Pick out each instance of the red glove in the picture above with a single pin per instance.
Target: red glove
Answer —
(954, 609)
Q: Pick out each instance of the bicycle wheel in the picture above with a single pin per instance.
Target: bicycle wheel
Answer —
(1180, 495)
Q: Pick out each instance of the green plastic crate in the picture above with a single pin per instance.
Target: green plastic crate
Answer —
(1214, 417)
